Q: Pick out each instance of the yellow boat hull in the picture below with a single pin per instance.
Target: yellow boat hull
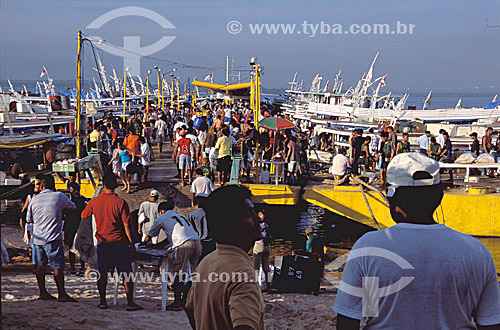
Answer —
(274, 194)
(472, 214)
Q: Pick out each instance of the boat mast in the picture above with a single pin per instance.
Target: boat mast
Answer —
(336, 83)
(227, 70)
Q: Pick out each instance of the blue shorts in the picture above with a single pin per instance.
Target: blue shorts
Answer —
(51, 251)
(184, 161)
(118, 255)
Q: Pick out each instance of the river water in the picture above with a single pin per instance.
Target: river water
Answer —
(288, 225)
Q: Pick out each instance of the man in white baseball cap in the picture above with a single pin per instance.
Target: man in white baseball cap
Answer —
(412, 170)
(417, 274)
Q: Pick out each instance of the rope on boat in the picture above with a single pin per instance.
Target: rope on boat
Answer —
(369, 207)
(369, 187)
(341, 181)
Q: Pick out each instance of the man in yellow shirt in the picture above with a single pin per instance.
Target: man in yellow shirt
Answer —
(95, 138)
(223, 145)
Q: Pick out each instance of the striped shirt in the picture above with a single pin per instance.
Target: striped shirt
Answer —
(45, 212)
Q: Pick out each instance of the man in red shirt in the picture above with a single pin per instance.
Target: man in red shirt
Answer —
(183, 147)
(114, 236)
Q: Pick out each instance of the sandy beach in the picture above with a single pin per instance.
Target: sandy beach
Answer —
(22, 310)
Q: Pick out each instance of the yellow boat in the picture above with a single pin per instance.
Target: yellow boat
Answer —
(274, 194)
(471, 212)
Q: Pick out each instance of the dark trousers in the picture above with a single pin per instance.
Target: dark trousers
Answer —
(207, 247)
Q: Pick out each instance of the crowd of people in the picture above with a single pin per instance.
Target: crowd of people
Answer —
(224, 226)
(374, 152)
(208, 137)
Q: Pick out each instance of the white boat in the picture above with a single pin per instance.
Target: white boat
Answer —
(365, 103)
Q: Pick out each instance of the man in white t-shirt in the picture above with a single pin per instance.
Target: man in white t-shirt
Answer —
(201, 186)
(227, 115)
(160, 126)
(148, 212)
(179, 123)
(340, 163)
(440, 137)
(186, 249)
(417, 274)
(145, 157)
(423, 142)
(375, 139)
(196, 144)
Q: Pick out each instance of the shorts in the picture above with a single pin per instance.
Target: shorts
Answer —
(184, 161)
(135, 168)
(378, 167)
(262, 259)
(293, 166)
(124, 166)
(51, 251)
(385, 163)
(160, 138)
(224, 164)
(109, 255)
(188, 253)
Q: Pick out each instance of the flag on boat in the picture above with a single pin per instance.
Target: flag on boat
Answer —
(209, 77)
(382, 83)
(44, 72)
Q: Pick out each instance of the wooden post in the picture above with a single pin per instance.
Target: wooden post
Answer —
(78, 93)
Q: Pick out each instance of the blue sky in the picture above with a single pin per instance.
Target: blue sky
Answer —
(451, 46)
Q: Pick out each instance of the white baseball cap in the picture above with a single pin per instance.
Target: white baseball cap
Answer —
(154, 193)
(411, 169)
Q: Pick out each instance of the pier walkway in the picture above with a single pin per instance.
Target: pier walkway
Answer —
(162, 174)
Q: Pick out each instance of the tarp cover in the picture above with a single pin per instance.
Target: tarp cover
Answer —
(491, 105)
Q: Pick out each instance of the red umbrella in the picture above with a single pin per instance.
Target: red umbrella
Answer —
(276, 123)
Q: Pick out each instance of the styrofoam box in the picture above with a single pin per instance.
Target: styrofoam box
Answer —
(12, 182)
